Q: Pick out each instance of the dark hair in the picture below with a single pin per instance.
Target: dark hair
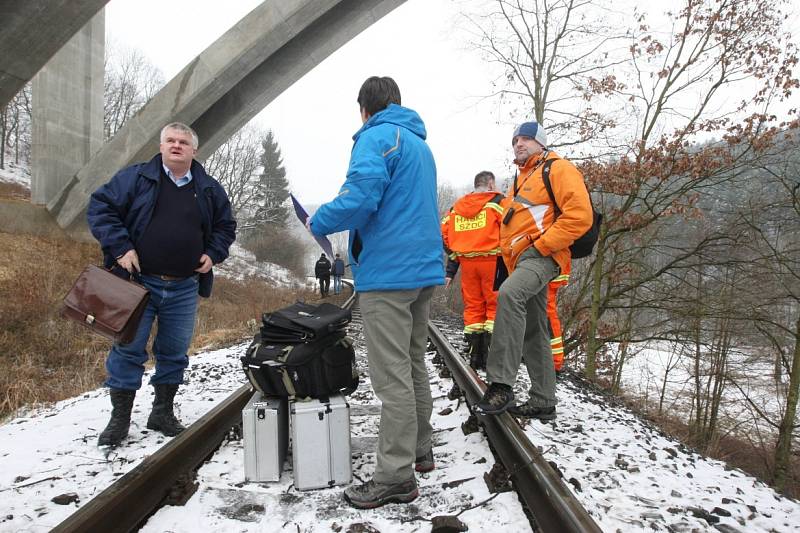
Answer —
(377, 93)
(483, 178)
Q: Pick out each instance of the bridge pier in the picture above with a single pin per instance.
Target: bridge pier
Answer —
(67, 122)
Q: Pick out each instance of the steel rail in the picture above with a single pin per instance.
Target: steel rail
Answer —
(551, 503)
(134, 497)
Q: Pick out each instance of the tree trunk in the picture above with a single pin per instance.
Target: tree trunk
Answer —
(3, 136)
(784, 448)
(592, 344)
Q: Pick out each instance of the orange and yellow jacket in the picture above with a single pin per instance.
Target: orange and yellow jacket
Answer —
(533, 223)
(472, 227)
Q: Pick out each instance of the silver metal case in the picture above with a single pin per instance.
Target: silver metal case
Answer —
(265, 428)
(321, 443)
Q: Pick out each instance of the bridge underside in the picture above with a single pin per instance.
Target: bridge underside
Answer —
(31, 32)
(227, 84)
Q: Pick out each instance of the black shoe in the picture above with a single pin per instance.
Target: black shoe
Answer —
(117, 428)
(162, 418)
(526, 410)
(497, 398)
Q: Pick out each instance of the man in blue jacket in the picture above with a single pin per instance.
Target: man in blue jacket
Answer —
(165, 222)
(389, 204)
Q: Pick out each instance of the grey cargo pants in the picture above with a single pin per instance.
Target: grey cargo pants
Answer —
(521, 331)
(396, 331)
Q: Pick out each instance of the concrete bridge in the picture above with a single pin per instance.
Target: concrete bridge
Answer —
(217, 92)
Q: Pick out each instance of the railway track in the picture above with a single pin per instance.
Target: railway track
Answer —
(134, 497)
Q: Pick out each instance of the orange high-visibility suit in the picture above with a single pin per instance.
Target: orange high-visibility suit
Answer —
(471, 233)
(556, 340)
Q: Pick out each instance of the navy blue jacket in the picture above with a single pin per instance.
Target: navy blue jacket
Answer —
(389, 204)
(120, 211)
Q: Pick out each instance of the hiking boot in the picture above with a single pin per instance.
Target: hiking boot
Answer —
(425, 462)
(497, 398)
(162, 418)
(526, 410)
(474, 349)
(371, 494)
(486, 342)
(117, 428)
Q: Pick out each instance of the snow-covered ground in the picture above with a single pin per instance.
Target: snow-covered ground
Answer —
(16, 174)
(241, 264)
(628, 475)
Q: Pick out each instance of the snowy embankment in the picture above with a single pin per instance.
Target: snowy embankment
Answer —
(627, 474)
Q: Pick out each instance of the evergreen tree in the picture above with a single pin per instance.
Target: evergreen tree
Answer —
(273, 187)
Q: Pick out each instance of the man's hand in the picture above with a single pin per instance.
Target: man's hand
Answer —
(205, 264)
(129, 261)
(447, 282)
(308, 225)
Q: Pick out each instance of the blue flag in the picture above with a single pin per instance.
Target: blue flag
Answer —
(303, 216)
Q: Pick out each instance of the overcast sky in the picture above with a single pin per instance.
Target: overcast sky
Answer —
(417, 44)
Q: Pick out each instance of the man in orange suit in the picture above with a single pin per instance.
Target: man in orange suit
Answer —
(471, 234)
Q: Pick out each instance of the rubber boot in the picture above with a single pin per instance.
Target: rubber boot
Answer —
(162, 418)
(474, 349)
(486, 342)
(117, 428)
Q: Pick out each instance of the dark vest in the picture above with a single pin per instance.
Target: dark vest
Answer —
(173, 241)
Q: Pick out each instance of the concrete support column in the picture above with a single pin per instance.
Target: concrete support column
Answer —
(67, 128)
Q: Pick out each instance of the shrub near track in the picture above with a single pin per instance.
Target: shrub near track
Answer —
(45, 358)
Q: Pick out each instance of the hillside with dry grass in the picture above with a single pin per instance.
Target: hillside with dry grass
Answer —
(45, 358)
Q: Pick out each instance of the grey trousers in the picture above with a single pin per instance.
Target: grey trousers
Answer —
(396, 331)
(520, 329)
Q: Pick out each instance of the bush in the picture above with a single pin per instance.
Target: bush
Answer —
(275, 245)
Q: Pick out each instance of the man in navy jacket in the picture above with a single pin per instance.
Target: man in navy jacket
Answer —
(389, 204)
(165, 222)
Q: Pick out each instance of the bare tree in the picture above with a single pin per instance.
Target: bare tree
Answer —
(130, 81)
(235, 165)
(556, 57)
(678, 95)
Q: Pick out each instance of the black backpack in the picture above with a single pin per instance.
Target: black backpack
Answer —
(302, 351)
(583, 245)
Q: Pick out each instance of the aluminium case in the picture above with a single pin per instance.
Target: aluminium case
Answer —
(321, 443)
(265, 429)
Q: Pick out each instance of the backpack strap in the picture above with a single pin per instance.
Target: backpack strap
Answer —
(548, 186)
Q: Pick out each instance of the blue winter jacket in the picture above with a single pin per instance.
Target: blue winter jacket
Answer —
(120, 211)
(389, 204)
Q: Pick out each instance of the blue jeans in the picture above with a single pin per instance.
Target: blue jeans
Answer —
(337, 284)
(175, 305)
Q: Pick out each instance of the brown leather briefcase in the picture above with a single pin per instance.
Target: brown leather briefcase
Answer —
(106, 304)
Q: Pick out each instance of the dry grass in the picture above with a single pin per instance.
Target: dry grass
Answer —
(14, 190)
(46, 358)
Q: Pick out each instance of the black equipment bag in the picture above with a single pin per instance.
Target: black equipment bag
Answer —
(583, 245)
(303, 322)
(314, 369)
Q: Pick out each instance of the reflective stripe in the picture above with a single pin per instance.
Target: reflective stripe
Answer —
(489, 326)
(557, 351)
(495, 251)
(556, 340)
(562, 277)
(396, 145)
(494, 206)
(473, 328)
(445, 218)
